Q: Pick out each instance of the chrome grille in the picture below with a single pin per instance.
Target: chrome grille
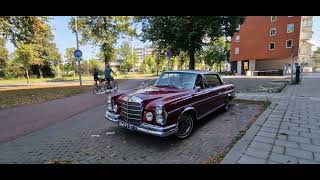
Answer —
(131, 111)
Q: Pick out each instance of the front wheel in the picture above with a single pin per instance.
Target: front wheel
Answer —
(184, 126)
(96, 88)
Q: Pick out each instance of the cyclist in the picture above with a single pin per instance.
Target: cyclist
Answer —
(96, 75)
(107, 74)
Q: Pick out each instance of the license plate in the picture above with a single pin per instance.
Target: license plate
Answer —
(126, 125)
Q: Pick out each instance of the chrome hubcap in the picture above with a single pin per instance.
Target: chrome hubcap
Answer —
(184, 127)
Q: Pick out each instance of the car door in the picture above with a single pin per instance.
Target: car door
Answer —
(214, 89)
(200, 97)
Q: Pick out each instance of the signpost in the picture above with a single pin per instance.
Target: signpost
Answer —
(168, 56)
(77, 53)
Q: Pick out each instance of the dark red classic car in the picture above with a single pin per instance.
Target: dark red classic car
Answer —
(172, 105)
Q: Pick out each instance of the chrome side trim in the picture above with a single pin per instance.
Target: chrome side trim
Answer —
(209, 112)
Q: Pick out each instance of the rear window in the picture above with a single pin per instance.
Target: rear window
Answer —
(211, 80)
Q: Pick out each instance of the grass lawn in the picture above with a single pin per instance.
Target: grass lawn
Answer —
(86, 78)
(31, 96)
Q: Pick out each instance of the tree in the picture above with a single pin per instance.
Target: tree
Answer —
(160, 58)
(21, 29)
(3, 57)
(102, 31)
(149, 64)
(23, 57)
(187, 33)
(129, 61)
(70, 60)
(46, 52)
(316, 57)
(217, 52)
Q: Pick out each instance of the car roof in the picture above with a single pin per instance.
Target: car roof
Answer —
(191, 71)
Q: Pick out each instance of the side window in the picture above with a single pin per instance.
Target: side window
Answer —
(212, 80)
(199, 81)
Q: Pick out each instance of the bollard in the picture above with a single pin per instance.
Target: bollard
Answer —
(297, 81)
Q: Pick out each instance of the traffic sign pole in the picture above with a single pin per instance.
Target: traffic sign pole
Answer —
(78, 58)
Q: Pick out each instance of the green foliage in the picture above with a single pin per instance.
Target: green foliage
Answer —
(130, 60)
(3, 58)
(217, 52)
(316, 57)
(45, 50)
(149, 64)
(22, 29)
(70, 60)
(187, 33)
(102, 31)
(24, 55)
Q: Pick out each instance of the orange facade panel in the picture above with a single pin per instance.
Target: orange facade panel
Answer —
(255, 38)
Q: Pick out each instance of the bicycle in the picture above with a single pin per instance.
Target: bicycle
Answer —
(111, 86)
(104, 86)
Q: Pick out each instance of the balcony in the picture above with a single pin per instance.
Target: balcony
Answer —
(305, 35)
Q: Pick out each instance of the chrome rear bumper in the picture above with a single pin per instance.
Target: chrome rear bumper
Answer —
(144, 127)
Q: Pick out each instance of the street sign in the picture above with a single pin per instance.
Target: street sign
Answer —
(77, 53)
(168, 54)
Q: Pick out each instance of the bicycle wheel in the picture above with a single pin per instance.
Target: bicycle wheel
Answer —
(106, 87)
(95, 89)
(114, 86)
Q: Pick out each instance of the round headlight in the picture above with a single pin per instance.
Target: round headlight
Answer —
(159, 110)
(160, 120)
(109, 99)
(115, 108)
(149, 116)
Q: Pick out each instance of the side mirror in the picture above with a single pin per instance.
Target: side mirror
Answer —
(197, 88)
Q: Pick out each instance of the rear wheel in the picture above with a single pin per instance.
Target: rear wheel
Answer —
(184, 126)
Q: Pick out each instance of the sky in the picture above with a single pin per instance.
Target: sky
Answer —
(64, 38)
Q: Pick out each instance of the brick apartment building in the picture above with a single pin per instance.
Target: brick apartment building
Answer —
(265, 44)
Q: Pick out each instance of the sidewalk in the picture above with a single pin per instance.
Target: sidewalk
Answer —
(22, 120)
(288, 132)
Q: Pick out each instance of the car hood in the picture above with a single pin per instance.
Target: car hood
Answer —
(152, 93)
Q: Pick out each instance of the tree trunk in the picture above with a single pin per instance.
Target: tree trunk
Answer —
(40, 72)
(27, 71)
(192, 59)
(105, 59)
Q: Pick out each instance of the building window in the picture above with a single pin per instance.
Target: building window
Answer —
(272, 46)
(236, 50)
(273, 31)
(289, 43)
(273, 18)
(290, 28)
(237, 38)
(306, 23)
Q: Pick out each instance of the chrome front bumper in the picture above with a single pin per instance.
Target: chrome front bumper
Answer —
(144, 127)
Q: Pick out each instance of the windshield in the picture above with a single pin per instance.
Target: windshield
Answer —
(179, 80)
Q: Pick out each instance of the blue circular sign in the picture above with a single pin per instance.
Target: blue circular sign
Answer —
(77, 53)
(168, 53)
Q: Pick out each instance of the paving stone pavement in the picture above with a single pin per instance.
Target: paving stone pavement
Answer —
(288, 132)
(88, 138)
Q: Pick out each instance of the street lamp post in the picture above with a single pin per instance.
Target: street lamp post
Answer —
(78, 59)
(292, 62)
